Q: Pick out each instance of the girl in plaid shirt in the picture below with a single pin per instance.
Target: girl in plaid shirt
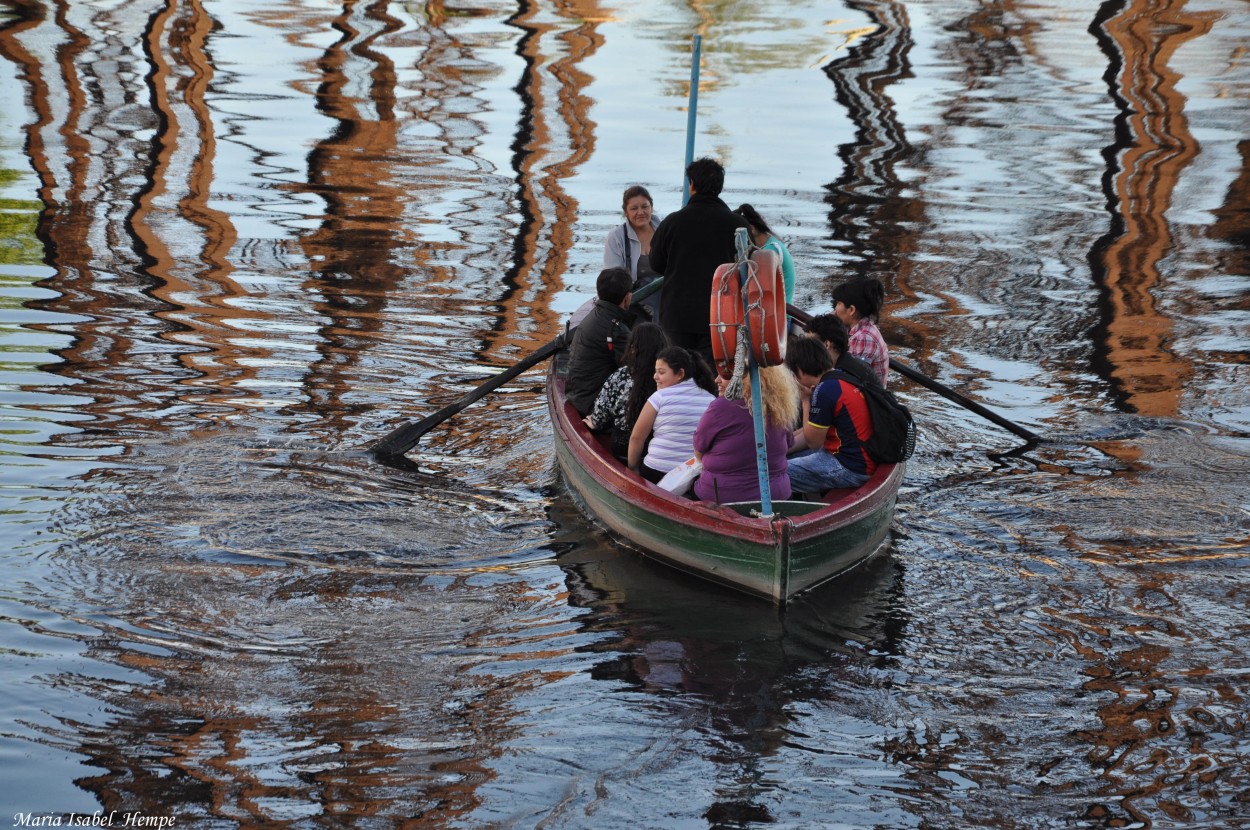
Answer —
(856, 303)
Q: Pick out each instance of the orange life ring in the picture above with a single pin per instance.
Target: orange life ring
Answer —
(725, 317)
(766, 299)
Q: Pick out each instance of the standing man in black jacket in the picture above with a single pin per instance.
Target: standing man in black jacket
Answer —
(688, 247)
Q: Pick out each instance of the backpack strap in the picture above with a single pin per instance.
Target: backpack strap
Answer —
(852, 376)
(842, 374)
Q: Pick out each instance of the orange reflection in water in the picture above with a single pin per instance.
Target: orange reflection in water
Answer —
(1153, 147)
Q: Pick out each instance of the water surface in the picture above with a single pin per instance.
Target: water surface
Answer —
(240, 242)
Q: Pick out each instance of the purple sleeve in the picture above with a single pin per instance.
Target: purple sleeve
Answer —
(705, 432)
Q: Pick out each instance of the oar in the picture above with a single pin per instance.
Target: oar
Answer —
(931, 384)
(970, 405)
(404, 438)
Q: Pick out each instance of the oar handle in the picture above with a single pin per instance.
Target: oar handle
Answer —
(931, 384)
(641, 294)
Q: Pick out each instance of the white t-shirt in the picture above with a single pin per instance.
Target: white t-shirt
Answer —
(677, 412)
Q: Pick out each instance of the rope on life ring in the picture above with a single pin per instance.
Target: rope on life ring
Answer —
(765, 311)
(726, 317)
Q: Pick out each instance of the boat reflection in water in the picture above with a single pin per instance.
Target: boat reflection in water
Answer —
(741, 674)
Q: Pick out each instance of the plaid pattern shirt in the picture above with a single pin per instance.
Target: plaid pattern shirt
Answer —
(869, 346)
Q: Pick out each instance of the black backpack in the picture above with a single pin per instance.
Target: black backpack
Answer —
(893, 430)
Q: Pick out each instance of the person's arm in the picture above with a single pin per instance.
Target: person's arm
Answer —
(821, 407)
(787, 274)
(638, 438)
(603, 412)
(813, 436)
(614, 250)
(620, 341)
(797, 441)
(705, 432)
(800, 435)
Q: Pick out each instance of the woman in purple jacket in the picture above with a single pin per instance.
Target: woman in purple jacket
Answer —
(725, 440)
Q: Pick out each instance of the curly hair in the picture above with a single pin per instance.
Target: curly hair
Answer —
(780, 394)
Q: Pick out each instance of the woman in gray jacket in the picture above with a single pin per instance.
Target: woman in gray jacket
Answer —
(628, 245)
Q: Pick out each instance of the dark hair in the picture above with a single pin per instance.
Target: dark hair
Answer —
(706, 176)
(691, 364)
(867, 294)
(636, 190)
(809, 356)
(646, 341)
(754, 219)
(613, 284)
(828, 328)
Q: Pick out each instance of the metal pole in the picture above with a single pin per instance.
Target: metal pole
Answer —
(757, 400)
(691, 114)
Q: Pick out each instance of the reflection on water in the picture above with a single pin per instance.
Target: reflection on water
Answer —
(239, 242)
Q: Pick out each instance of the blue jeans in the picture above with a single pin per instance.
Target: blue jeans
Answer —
(819, 471)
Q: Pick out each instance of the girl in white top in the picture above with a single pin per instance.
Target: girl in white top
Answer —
(683, 390)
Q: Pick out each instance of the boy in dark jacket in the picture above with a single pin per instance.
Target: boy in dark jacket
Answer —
(600, 340)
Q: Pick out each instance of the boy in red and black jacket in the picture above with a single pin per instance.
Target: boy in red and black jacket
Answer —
(835, 426)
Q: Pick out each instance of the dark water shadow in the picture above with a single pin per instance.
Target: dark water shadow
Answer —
(739, 661)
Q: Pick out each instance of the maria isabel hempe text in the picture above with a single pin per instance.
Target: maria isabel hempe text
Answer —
(113, 818)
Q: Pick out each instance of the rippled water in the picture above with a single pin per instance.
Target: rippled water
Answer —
(240, 241)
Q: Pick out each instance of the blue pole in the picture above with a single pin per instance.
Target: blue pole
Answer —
(691, 113)
(757, 401)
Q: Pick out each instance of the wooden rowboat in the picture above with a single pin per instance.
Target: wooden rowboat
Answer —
(804, 544)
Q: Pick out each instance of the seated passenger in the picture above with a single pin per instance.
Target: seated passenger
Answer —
(856, 303)
(725, 440)
(683, 390)
(831, 332)
(628, 388)
(836, 424)
(629, 245)
(599, 342)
